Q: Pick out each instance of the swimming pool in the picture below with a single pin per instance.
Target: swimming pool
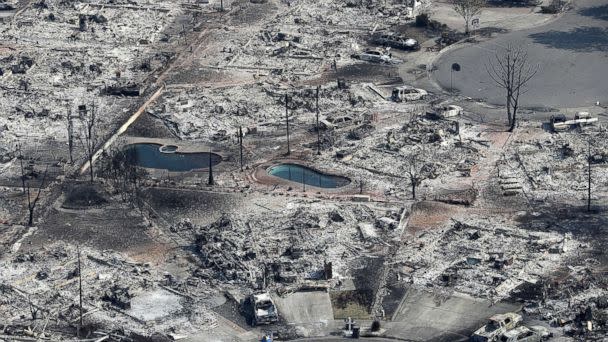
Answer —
(155, 156)
(302, 174)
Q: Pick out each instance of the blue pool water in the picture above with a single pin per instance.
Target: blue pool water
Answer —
(150, 156)
(299, 174)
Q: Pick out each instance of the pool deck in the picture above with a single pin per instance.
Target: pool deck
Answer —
(258, 173)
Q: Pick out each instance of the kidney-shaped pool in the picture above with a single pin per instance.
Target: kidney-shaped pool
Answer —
(303, 174)
(154, 157)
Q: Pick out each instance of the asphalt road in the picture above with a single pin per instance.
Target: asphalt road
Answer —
(572, 52)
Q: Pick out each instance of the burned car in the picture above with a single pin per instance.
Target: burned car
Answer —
(340, 121)
(375, 56)
(407, 93)
(449, 111)
(396, 41)
(525, 334)
(496, 327)
(259, 308)
(444, 112)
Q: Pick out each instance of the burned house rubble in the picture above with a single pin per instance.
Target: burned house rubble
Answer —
(246, 170)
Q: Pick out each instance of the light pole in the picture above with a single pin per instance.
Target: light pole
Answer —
(210, 180)
(79, 291)
(589, 175)
(287, 122)
(455, 67)
(318, 128)
(241, 145)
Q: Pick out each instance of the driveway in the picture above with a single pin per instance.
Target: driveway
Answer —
(572, 52)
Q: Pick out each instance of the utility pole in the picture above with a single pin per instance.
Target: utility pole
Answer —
(588, 175)
(210, 181)
(91, 143)
(89, 122)
(287, 122)
(70, 135)
(318, 128)
(79, 290)
(241, 145)
(22, 169)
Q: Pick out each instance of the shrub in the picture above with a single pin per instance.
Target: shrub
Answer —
(375, 326)
(423, 20)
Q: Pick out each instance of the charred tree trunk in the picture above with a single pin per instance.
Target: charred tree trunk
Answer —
(413, 182)
(31, 204)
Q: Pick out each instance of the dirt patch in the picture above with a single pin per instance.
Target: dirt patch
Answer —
(421, 34)
(153, 253)
(461, 196)
(115, 228)
(231, 311)
(196, 74)
(149, 127)
(251, 13)
(430, 215)
(356, 304)
(201, 207)
(367, 72)
(79, 196)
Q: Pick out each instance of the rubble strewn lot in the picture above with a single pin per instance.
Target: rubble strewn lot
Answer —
(385, 210)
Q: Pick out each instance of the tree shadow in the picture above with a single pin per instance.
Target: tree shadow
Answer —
(489, 31)
(582, 39)
(598, 12)
(512, 3)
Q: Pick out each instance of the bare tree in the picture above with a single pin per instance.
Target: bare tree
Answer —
(511, 70)
(31, 203)
(123, 175)
(468, 9)
(25, 183)
(414, 169)
(88, 118)
(33, 309)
